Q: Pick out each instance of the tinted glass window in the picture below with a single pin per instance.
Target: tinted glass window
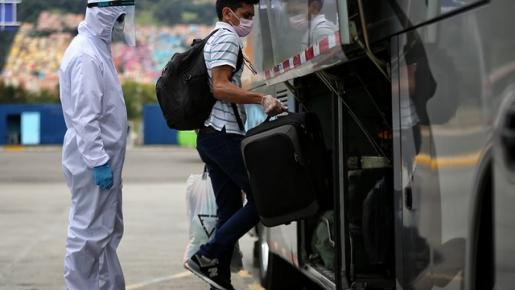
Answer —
(387, 17)
(259, 42)
(421, 11)
(298, 24)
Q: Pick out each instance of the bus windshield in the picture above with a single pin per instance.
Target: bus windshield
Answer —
(299, 24)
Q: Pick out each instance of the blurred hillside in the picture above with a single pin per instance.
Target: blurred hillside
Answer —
(157, 12)
(149, 13)
(36, 51)
(30, 56)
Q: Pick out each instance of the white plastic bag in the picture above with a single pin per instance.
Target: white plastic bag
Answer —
(201, 211)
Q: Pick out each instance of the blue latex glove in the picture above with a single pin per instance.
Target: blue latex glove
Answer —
(103, 176)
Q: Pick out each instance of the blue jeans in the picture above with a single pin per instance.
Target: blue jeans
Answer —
(222, 154)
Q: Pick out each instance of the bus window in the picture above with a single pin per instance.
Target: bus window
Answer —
(258, 49)
(422, 11)
(296, 25)
(259, 42)
(385, 18)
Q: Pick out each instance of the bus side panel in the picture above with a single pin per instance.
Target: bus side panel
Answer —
(385, 18)
(504, 199)
(497, 24)
(283, 242)
(443, 129)
(398, 188)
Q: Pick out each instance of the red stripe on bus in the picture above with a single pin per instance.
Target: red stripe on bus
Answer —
(286, 65)
(296, 60)
(324, 45)
(310, 53)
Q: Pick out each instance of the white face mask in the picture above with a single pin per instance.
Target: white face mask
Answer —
(118, 31)
(245, 26)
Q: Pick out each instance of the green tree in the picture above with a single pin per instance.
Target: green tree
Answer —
(164, 11)
(6, 38)
(136, 95)
(18, 95)
(173, 12)
(29, 10)
(12, 95)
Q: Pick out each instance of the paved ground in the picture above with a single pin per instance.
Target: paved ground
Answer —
(33, 212)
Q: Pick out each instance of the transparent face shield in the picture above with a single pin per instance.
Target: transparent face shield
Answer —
(129, 28)
(125, 21)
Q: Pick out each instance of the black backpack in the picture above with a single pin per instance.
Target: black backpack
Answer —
(183, 89)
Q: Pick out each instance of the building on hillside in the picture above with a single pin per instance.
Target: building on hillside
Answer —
(8, 14)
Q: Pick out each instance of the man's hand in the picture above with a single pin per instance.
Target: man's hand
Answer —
(272, 106)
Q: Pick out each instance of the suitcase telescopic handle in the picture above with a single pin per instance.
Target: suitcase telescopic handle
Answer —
(268, 118)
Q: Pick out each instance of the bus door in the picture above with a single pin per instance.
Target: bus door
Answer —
(436, 81)
(417, 221)
(296, 39)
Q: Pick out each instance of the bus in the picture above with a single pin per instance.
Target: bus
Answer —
(417, 104)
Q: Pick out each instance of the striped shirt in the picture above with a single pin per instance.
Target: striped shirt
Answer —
(220, 50)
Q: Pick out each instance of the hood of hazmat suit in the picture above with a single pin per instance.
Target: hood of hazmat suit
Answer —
(128, 23)
(96, 120)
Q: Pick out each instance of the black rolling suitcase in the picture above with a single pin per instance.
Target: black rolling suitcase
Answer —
(287, 168)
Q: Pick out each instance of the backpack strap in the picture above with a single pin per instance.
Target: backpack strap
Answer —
(238, 117)
(239, 65)
(240, 61)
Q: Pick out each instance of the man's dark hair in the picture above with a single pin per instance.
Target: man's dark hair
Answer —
(321, 2)
(233, 4)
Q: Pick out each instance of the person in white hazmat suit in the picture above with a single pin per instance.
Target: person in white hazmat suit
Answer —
(94, 146)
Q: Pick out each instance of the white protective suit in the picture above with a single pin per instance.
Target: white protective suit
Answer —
(320, 28)
(96, 118)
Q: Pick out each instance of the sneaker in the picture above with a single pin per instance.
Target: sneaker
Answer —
(207, 270)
